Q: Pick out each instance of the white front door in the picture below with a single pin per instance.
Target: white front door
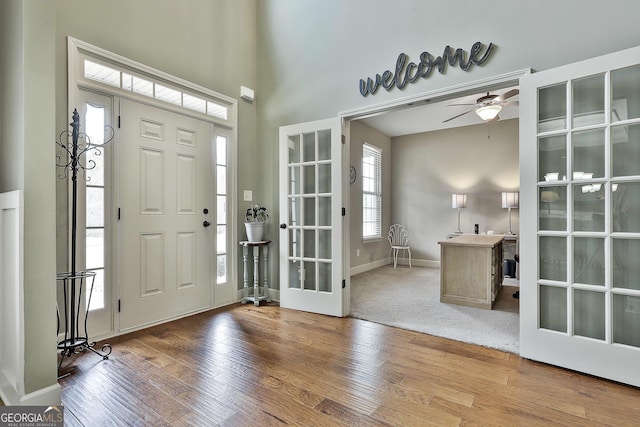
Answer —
(580, 210)
(165, 205)
(311, 217)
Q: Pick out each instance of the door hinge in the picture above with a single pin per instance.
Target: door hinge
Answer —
(118, 214)
(344, 212)
(119, 306)
(344, 283)
(118, 122)
(344, 139)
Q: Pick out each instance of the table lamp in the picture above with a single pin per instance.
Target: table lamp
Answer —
(458, 201)
(510, 199)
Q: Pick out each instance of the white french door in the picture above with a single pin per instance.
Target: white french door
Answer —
(580, 210)
(311, 217)
(166, 213)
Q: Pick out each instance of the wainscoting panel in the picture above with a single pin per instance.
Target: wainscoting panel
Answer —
(11, 296)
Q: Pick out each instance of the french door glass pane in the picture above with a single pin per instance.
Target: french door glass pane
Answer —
(625, 207)
(324, 277)
(588, 101)
(324, 211)
(552, 215)
(309, 210)
(95, 207)
(625, 150)
(588, 207)
(308, 147)
(588, 261)
(553, 258)
(324, 144)
(553, 308)
(294, 149)
(294, 274)
(324, 178)
(626, 320)
(294, 180)
(589, 314)
(309, 243)
(552, 108)
(310, 275)
(552, 158)
(294, 243)
(294, 211)
(94, 248)
(309, 179)
(626, 265)
(588, 154)
(324, 244)
(625, 95)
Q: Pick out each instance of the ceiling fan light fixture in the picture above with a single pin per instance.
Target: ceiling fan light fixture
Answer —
(488, 112)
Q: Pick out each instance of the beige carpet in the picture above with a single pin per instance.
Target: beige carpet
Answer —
(410, 299)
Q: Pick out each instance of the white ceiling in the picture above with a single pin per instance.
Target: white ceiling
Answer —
(430, 117)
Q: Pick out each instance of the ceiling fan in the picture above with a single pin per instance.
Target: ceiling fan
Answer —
(488, 106)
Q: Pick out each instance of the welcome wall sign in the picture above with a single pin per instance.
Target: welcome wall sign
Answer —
(410, 72)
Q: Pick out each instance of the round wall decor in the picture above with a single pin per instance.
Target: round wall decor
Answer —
(353, 174)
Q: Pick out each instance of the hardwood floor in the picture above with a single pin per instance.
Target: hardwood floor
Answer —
(267, 366)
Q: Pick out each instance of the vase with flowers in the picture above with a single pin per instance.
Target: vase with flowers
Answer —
(254, 221)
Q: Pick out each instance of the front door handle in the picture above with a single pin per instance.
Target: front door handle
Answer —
(206, 224)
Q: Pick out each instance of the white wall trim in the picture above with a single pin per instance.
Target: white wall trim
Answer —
(12, 359)
(499, 81)
(51, 395)
(401, 261)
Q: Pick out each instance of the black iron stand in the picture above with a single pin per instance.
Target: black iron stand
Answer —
(74, 282)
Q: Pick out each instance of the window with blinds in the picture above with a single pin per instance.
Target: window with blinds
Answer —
(371, 192)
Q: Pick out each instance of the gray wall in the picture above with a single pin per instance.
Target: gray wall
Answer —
(372, 250)
(27, 153)
(312, 53)
(429, 167)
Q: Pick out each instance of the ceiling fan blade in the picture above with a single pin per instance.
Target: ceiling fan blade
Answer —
(509, 94)
(457, 105)
(459, 115)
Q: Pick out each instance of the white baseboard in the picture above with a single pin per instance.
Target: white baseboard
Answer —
(402, 261)
(51, 395)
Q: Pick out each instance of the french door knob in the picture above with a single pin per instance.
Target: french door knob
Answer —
(283, 225)
(206, 223)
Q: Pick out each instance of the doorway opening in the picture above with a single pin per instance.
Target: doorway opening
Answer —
(429, 158)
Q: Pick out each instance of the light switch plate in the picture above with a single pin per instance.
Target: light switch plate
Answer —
(248, 195)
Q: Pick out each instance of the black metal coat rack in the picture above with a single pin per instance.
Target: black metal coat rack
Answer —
(74, 283)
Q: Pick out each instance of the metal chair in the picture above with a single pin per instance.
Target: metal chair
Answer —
(399, 240)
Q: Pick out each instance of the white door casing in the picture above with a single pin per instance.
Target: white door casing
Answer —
(311, 217)
(579, 303)
(165, 249)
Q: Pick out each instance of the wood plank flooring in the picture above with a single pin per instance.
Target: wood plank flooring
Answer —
(268, 366)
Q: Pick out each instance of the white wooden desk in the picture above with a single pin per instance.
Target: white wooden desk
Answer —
(471, 270)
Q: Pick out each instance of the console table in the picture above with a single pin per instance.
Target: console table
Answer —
(256, 297)
(471, 270)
